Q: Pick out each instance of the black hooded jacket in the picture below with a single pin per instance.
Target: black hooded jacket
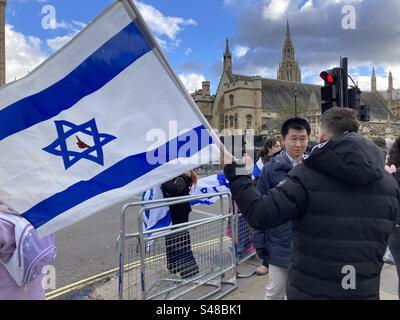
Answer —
(342, 205)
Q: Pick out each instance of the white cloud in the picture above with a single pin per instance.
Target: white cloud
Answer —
(23, 53)
(275, 9)
(256, 70)
(74, 26)
(240, 51)
(162, 25)
(192, 81)
(63, 25)
(56, 43)
(188, 51)
(79, 24)
(307, 5)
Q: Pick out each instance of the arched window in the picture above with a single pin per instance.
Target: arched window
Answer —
(231, 121)
(236, 121)
(249, 120)
(231, 100)
(226, 122)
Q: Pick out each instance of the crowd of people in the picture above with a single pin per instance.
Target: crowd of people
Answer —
(322, 220)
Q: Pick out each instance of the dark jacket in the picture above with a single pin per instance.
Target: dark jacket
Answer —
(276, 240)
(177, 187)
(342, 204)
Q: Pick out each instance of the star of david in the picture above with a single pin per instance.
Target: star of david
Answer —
(93, 153)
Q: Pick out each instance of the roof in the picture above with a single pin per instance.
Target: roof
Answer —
(278, 94)
(395, 94)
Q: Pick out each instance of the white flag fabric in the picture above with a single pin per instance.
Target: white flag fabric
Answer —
(102, 119)
(258, 166)
(161, 217)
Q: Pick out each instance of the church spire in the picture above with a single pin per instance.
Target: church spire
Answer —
(373, 80)
(390, 89)
(289, 69)
(227, 58)
(227, 51)
(288, 31)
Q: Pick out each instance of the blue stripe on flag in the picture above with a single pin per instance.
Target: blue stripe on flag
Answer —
(102, 66)
(117, 176)
(257, 169)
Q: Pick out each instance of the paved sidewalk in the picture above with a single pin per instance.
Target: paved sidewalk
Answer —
(253, 288)
(249, 288)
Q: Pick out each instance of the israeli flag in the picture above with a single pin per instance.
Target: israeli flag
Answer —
(257, 169)
(102, 119)
(161, 217)
(158, 217)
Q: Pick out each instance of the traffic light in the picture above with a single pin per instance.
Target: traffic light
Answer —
(363, 111)
(335, 92)
(355, 98)
(331, 92)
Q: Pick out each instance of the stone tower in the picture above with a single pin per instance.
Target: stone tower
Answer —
(2, 42)
(390, 89)
(373, 80)
(289, 68)
(227, 59)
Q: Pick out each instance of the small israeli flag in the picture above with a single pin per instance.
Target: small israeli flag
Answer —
(161, 217)
(257, 169)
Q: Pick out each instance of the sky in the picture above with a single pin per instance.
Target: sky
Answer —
(192, 35)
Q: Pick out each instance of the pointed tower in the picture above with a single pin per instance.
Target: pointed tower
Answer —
(289, 68)
(373, 80)
(2, 42)
(227, 58)
(390, 89)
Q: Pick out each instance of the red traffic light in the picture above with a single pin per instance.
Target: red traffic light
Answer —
(328, 76)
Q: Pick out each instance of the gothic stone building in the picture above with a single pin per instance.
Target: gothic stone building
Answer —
(252, 102)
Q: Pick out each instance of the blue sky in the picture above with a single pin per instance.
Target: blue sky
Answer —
(192, 35)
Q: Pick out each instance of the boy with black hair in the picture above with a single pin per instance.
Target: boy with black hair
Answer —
(295, 133)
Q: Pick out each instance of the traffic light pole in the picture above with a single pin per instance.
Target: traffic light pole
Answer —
(344, 82)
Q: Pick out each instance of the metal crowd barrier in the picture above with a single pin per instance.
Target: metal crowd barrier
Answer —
(192, 260)
(243, 239)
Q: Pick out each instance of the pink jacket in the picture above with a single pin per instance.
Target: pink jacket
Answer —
(8, 288)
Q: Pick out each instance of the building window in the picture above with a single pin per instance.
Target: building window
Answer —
(226, 121)
(231, 100)
(231, 121)
(236, 121)
(249, 121)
